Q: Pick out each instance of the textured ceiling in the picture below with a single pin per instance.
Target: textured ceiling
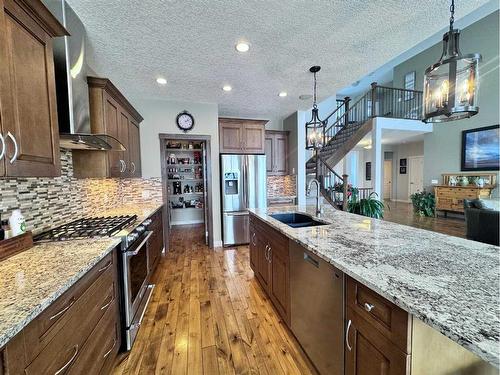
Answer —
(191, 43)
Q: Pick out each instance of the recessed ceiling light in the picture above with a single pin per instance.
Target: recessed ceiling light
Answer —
(227, 88)
(161, 81)
(242, 47)
(282, 94)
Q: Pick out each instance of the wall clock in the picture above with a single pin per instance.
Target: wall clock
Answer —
(185, 121)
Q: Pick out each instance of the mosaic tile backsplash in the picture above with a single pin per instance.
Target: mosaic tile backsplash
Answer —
(47, 202)
(281, 186)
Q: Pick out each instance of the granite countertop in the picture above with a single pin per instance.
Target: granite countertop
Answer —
(450, 283)
(30, 281)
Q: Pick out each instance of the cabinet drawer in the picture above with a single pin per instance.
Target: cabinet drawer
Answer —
(100, 347)
(39, 333)
(83, 316)
(390, 320)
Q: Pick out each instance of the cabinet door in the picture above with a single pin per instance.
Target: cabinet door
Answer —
(368, 352)
(134, 149)
(28, 96)
(269, 146)
(281, 153)
(123, 130)
(112, 121)
(280, 267)
(230, 134)
(253, 248)
(264, 266)
(253, 138)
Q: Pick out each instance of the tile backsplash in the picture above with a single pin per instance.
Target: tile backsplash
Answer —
(49, 201)
(279, 186)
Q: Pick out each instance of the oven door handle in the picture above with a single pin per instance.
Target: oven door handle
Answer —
(135, 252)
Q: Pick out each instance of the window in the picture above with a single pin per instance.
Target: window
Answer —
(409, 85)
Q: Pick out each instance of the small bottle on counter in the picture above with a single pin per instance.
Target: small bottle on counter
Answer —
(6, 229)
(17, 223)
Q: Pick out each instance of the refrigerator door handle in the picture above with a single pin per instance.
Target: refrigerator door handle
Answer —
(244, 184)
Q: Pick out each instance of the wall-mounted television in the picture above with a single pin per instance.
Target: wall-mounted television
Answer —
(481, 149)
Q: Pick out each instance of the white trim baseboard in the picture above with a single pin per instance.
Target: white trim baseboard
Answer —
(401, 200)
(218, 243)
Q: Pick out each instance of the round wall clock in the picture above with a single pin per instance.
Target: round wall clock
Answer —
(185, 121)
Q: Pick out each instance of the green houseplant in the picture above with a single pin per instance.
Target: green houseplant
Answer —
(424, 203)
(371, 206)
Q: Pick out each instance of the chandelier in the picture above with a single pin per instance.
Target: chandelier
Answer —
(451, 85)
(315, 127)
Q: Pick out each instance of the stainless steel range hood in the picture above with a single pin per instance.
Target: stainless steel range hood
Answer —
(71, 84)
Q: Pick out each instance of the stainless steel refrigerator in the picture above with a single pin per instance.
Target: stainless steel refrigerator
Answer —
(243, 186)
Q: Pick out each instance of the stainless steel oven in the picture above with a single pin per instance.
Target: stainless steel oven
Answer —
(136, 288)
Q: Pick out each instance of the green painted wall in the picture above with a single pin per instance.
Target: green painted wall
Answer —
(443, 147)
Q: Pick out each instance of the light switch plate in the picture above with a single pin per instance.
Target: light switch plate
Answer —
(434, 182)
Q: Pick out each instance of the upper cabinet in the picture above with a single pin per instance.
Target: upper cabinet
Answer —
(29, 133)
(110, 114)
(241, 136)
(276, 144)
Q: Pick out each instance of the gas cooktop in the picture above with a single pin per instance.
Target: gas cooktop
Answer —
(87, 228)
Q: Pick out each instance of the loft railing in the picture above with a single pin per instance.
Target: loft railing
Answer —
(333, 186)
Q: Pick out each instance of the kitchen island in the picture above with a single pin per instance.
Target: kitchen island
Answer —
(449, 283)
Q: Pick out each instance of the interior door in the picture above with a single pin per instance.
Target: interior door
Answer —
(387, 179)
(29, 114)
(416, 174)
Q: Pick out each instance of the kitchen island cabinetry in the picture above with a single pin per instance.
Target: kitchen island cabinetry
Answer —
(113, 115)
(378, 337)
(78, 333)
(29, 132)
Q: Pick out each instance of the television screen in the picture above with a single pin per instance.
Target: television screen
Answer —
(481, 149)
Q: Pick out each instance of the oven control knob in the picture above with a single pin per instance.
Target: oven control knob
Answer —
(141, 228)
(148, 221)
(132, 237)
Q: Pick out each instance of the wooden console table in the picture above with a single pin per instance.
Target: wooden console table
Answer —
(451, 198)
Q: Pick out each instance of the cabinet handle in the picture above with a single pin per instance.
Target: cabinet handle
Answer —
(75, 348)
(265, 253)
(16, 148)
(133, 166)
(105, 267)
(111, 349)
(2, 141)
(347, 335)
(60, 312)
(270, 254)
(369, 307)
(105, 306)
(311, 260)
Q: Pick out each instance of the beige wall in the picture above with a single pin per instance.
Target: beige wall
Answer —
(159, 117)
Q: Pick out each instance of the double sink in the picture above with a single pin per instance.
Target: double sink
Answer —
(296, 220)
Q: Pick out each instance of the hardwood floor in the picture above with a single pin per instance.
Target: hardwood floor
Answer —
(208, 315)
(402, 213)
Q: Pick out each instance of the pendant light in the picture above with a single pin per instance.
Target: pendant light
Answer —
(315, 127)
(451, 85)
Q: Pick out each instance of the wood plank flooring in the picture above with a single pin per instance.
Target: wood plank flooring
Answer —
(208, 315)
(402, 213)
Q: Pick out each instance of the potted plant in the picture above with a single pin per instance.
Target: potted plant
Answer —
(371, 206)
(424, 203)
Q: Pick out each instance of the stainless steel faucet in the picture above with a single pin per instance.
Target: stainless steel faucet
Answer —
(319, 210)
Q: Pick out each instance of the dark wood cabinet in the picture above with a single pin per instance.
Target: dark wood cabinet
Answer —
(113, 115)
(270, 262)
(28, 114)
(368, 352)
(241, 136)
(276, 147)
(78, 333)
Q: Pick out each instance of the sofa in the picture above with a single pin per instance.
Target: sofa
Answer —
(482, 220)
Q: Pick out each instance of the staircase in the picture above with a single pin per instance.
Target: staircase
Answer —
(353, 122)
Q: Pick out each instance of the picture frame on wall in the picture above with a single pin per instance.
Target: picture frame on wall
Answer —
(480, 149)
(403, 162)
(402, 170)
(368, 171)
